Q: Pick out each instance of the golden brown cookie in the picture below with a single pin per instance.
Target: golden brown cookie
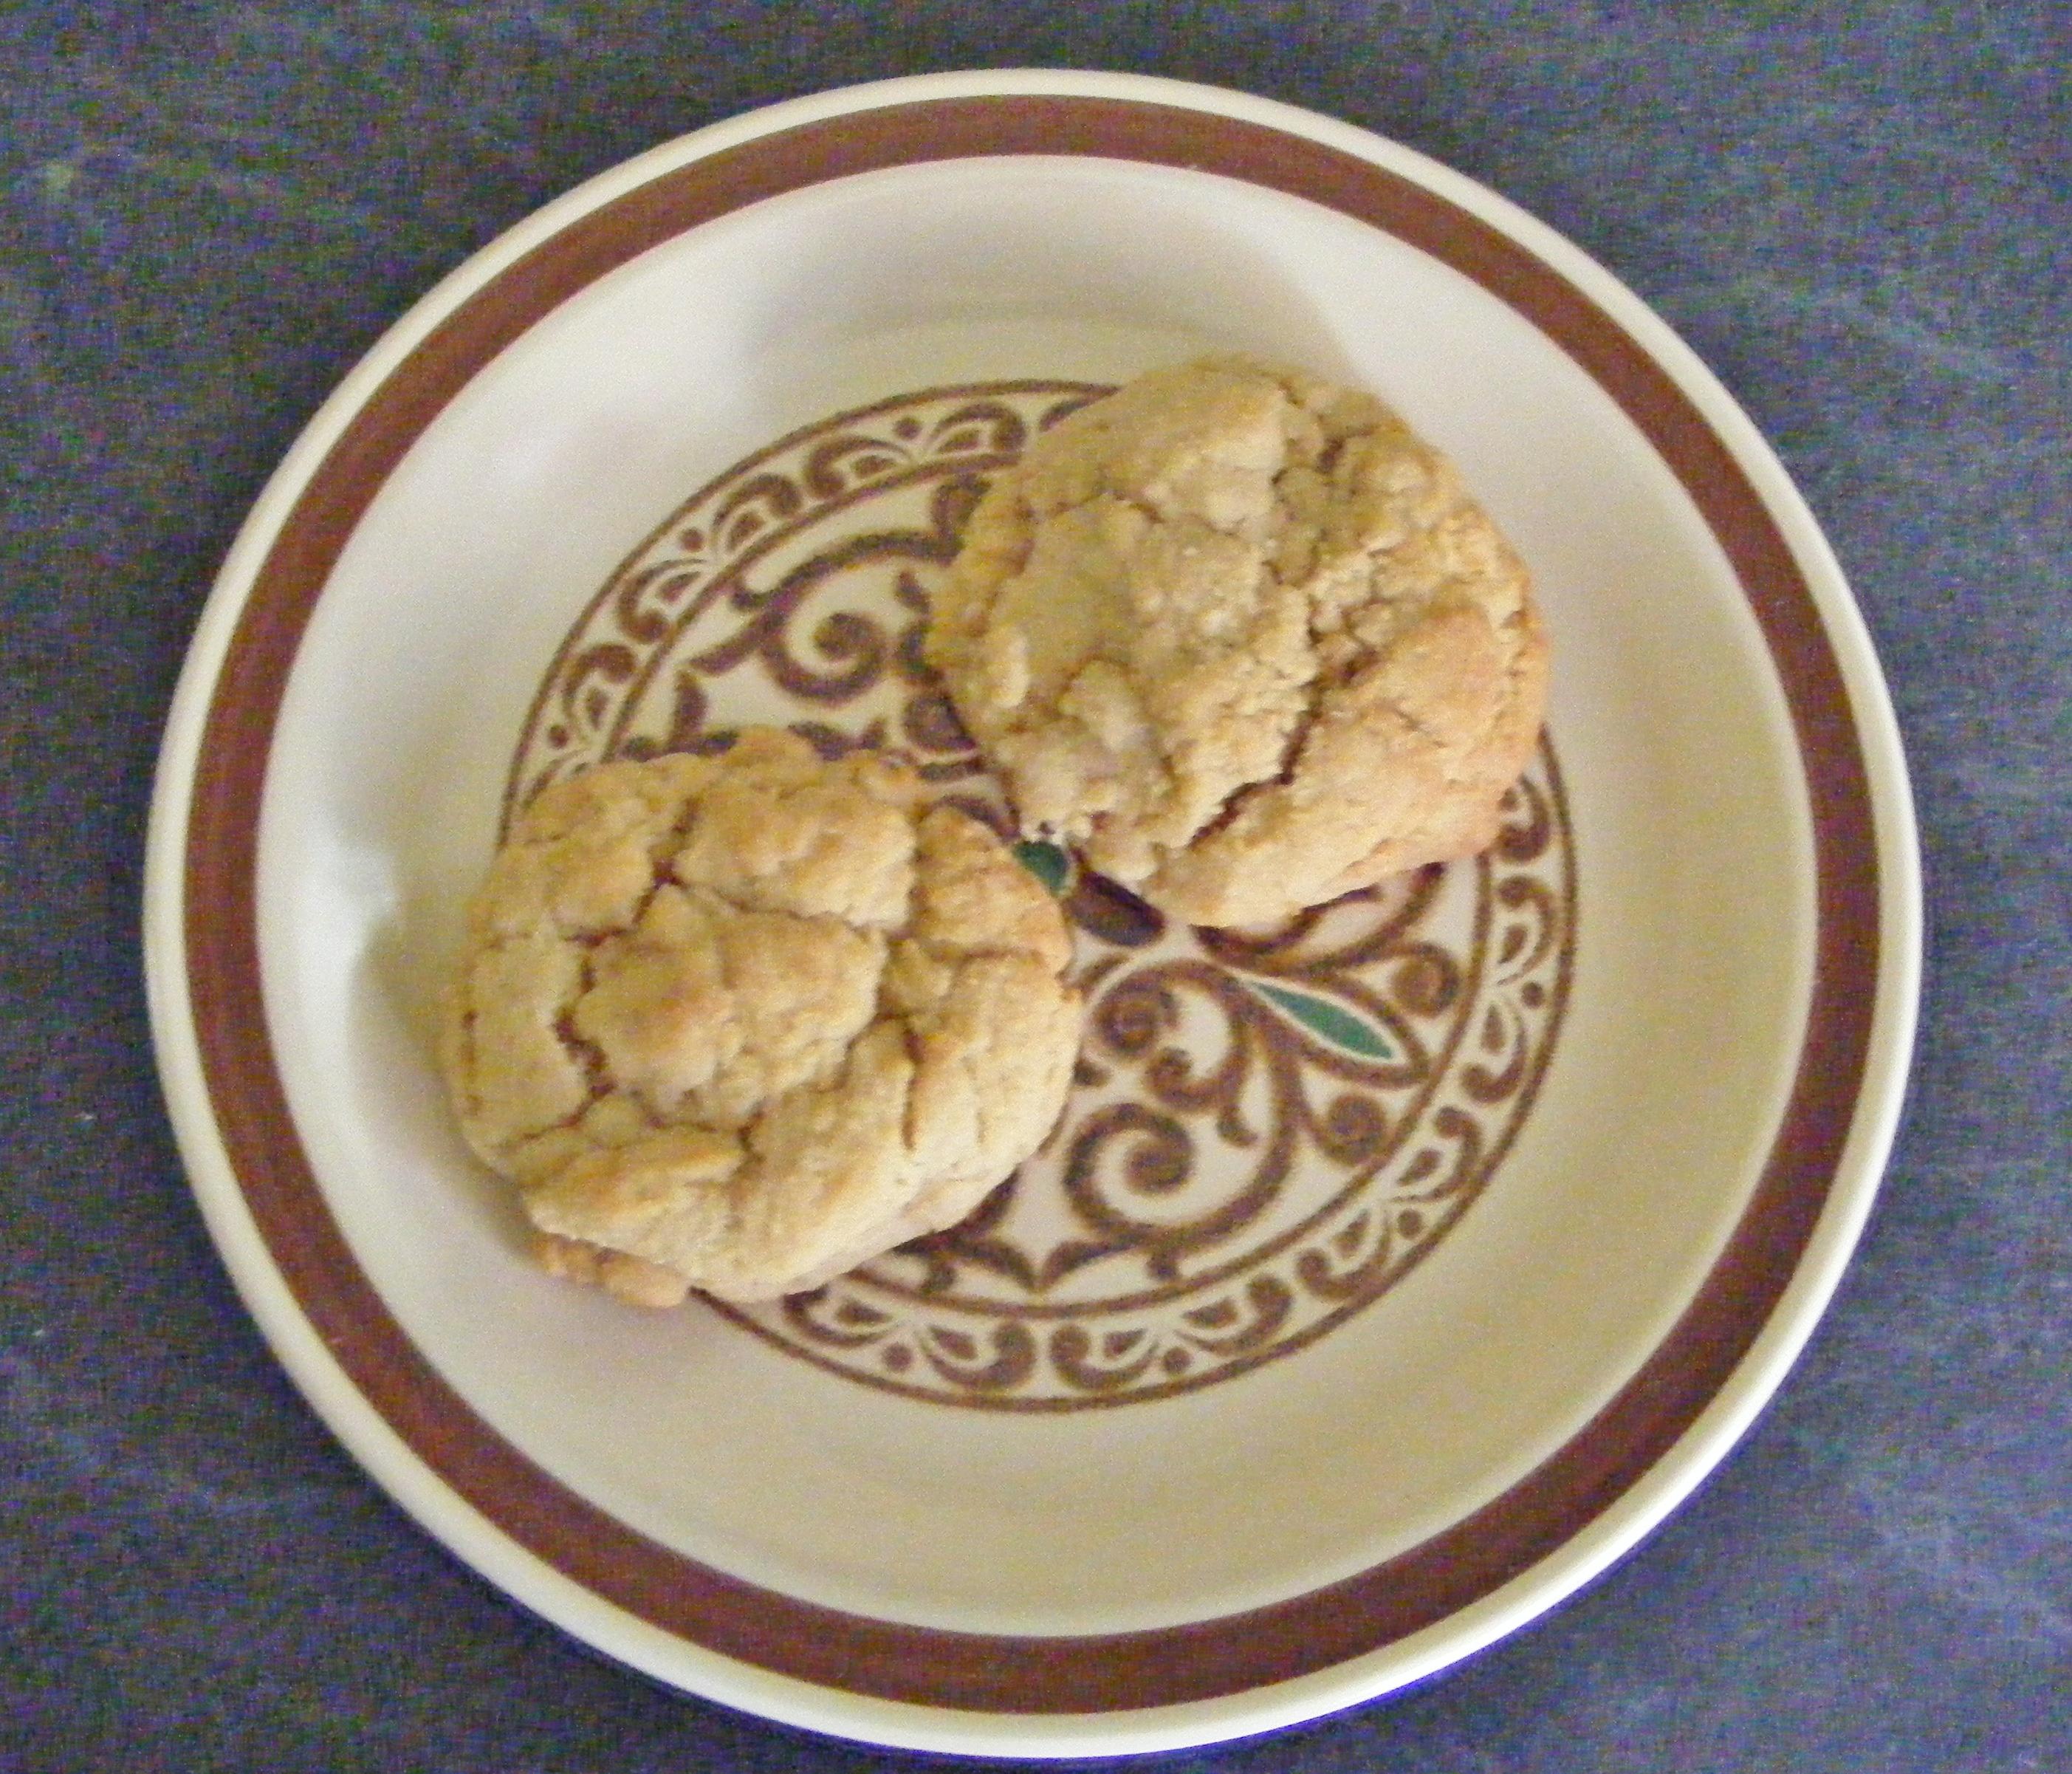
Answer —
(743, 1023)
(1243, 638)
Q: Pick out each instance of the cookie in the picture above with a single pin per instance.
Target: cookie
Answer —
(742, 1023)
(1245, 640)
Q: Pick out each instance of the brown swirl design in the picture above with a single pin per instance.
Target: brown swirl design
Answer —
(1268, 1128)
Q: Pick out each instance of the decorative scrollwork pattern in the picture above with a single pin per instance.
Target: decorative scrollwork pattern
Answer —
(1268, 1128)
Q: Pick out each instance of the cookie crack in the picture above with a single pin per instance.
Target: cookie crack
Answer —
(719, 896)
(1316, 691)
(1106, 487)
(470, 1090)
(910, 1040)
(956, 954)
(588, 1055)
(662, 855)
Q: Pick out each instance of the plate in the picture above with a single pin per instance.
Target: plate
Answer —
(1391, 1273)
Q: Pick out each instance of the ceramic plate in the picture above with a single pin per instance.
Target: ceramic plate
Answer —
(1391, 1271)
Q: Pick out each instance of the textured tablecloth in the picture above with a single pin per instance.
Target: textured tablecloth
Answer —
(207, 212)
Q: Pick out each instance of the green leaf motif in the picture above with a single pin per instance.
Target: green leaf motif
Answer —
(1336, 1024)
(1048, 863)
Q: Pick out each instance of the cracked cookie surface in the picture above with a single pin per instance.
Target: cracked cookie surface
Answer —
(1245, 640)
(742, 1023)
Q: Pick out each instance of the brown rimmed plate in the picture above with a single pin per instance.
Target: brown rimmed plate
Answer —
(1390, 1273)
